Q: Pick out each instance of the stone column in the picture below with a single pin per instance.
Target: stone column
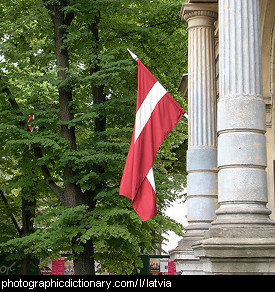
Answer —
(241, 239)
(241, 117)
(202, 192)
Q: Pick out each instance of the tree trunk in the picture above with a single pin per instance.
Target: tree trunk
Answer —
(97, 90)
(99, 96)
(28, 214)
(84, 262)
(73, 196)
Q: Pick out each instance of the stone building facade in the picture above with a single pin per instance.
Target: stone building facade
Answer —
(231, 149)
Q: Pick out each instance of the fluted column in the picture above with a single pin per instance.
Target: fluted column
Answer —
(202, 191)
(202, 143)
(242, 238)
(241, 117)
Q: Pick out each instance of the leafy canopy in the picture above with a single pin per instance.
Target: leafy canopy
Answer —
(28, 72)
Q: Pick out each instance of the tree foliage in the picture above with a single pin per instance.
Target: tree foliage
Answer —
(60, 182)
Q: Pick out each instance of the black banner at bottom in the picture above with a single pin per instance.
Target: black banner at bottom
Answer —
(44, 283)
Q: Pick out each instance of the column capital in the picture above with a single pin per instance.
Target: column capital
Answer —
(194, 11)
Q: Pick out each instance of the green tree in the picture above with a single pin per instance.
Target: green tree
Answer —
(66, 62)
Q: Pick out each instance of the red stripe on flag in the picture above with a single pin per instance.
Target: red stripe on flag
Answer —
(145, 202)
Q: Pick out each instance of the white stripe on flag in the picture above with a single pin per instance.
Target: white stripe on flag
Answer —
(151, 179)
(144, 112)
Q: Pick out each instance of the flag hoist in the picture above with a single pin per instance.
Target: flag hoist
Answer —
(157, 113)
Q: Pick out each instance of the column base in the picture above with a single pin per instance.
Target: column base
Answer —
(244, 248)
(239, 256)
(242, 219)
(183, 255)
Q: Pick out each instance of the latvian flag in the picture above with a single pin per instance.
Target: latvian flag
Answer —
(157, 113)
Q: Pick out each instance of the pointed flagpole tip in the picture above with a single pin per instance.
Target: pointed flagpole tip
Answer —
(135, 57)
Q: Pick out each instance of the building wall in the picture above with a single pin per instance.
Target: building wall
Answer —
(267, 14)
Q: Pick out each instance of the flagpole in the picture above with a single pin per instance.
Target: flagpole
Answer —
(135, 57)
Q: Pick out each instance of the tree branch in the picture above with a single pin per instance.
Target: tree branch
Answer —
(19, 230)
(48, 180)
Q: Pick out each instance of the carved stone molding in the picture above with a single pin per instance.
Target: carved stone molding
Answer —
(199, 13)
(199, 10)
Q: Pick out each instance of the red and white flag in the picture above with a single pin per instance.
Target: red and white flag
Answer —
(157, 113)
